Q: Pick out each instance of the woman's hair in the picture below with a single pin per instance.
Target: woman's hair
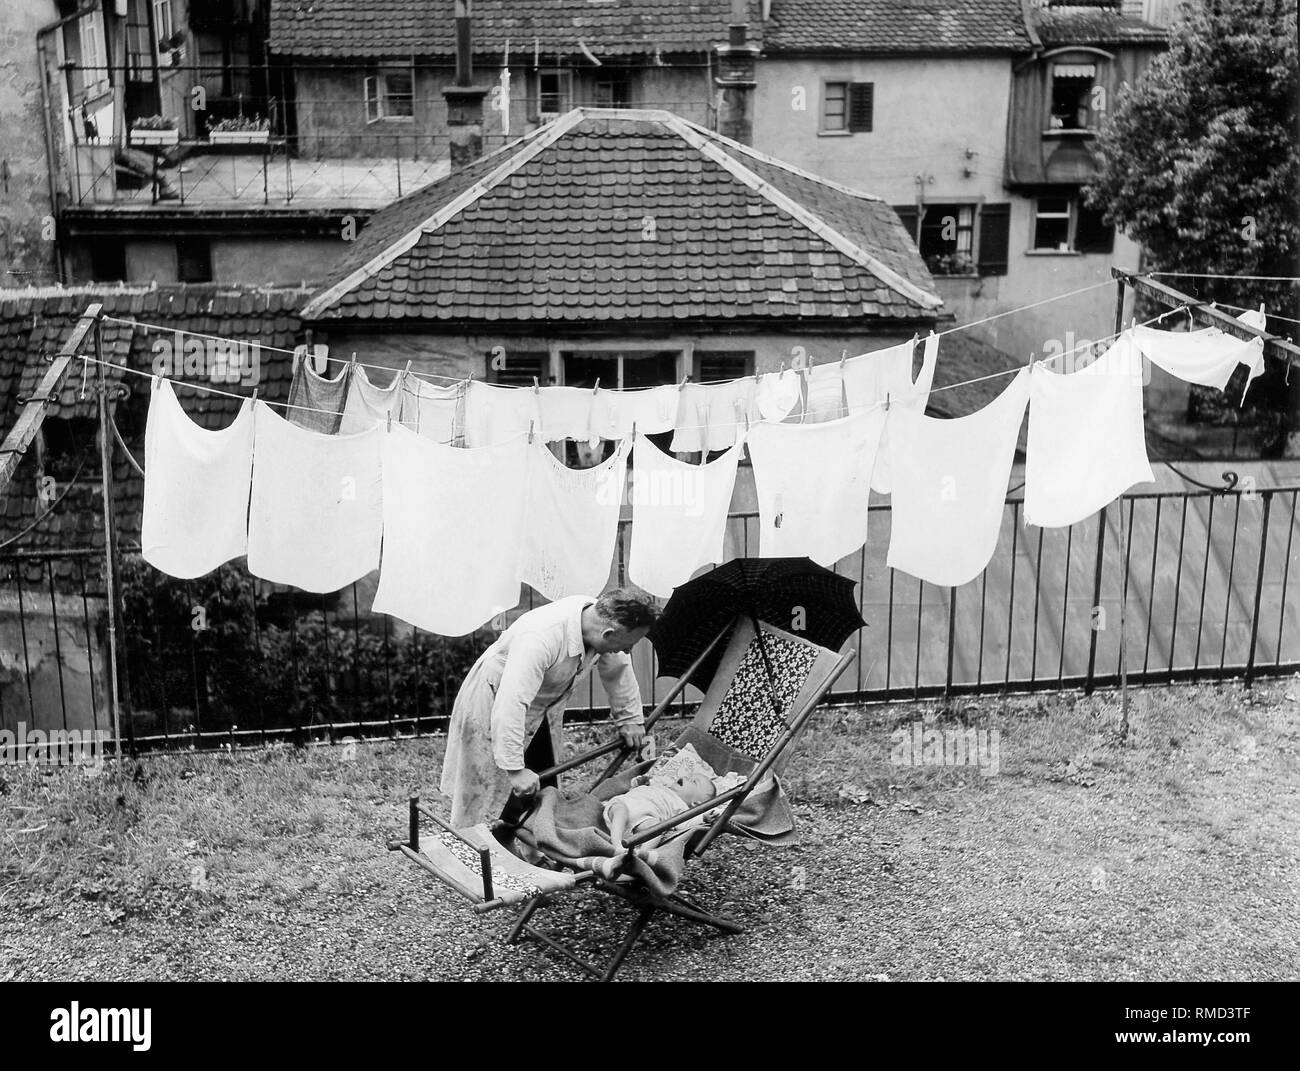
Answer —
(626, 608)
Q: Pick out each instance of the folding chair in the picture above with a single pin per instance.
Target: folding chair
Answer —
(767, 684)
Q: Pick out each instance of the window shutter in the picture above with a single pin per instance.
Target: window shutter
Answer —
(372, 98)
(907, 216)
(1092, 234)
(861, 95)
(995, 228)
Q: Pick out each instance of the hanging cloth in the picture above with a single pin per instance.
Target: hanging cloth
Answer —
(494, 414)
(950, 485)
(824, 390)
(709, 414)
(679, 515)
(366, 404)
(567, 413)
(321, 399)
(196, 486)
(1207, 357)
(433, 410)
(453, 526)
(317, 508)
(1087, 441)
(776, 395)
(652, 410)
(570, 523)
(872, 378)
(813, 483)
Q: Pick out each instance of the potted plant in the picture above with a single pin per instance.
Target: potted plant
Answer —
(154, 130)
(240, 131)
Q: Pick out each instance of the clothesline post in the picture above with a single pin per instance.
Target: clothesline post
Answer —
(1123, 549)
(110, 563)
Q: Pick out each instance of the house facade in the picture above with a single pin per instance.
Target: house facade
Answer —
(975, 121)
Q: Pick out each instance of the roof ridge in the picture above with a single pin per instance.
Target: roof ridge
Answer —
(541, 138)
(808, 218)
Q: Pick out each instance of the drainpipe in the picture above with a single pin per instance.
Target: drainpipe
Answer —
(51, 159)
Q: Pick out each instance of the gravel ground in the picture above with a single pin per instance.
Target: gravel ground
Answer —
(1172, 856)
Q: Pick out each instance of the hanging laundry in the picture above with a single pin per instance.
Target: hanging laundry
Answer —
(1208, 357)
(709, 414)
(196, 486)
(567, 413)
(366, 404)
(453, 527)
(493, 414)
(776, 395)
(824, 390)
(679, 515)
(950, 485)
(652, 410)
(570, 523)
(434, 410)
(319, 400)
(317, 509)
(813, 483)
(1087, 440)
(871, 378)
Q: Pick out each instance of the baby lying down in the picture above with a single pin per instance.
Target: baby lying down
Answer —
(645, 806)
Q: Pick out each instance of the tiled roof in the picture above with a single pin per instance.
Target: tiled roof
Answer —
(35, 324)
(885, 26)
(625, 216)
(1093, 24)
(320, 28)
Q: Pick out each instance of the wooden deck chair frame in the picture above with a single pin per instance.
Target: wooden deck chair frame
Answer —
(822, 675)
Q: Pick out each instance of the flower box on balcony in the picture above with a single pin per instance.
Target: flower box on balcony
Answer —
(239, 137)
(141, 136)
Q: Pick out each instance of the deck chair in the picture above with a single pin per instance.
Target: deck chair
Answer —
(767, 684)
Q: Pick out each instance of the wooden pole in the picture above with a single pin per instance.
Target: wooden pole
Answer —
(110, 573)
(1123, 550)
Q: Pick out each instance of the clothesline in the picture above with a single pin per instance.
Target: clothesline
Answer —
(429, 376)
(1207, 275)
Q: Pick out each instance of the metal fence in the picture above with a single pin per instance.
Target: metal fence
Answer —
(229, 661)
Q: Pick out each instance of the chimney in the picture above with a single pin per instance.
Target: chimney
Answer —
(464, 99)
(735, 79)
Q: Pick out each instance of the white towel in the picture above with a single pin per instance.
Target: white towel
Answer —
(366, 404)
(453, 524)
(814, 484)
(494, 414)
(709, 415)
(652, 411)
(950, 486)
(824, 390)
(886, 375)
(776, 395)
(195, 487)
(567, 413)
(433, 410)
(1208, 357)
(1087, 443)
(570, 523)
(317, 508)
(679, 515)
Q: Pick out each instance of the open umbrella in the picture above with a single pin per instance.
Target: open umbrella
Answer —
(794, 594)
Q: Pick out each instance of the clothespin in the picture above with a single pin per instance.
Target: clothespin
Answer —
(634, 431)
(406, 371)
(782, 375)
(530, 431)
(682, 384)
(255, 394)
(354, 357)
(597, 386)
(390, 420)
(845, 353)
(886, 401)
(536, 389)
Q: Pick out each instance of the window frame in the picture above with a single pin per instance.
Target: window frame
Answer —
(847, 129)
(377, 96)
(563, 93)
(95, 81)
(976, 207)
(1070, 215)
(163, 13)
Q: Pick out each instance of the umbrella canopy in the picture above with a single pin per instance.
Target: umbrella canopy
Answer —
(794, 594)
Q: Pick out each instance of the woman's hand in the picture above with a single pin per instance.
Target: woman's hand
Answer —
(523, 782)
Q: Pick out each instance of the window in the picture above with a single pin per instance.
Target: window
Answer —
(162, 23)
(957, 239)
(947, 238)
(554, 91)
(714, 366)
(194, 260)
(94, 64)
(107, 260)
(389, 95)
(1071, 96)
(612, 91)
(1062, 224)
(847, 107)
(519, 369)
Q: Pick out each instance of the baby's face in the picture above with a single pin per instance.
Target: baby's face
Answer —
(695, 789)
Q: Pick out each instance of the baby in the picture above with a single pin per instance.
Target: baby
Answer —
(648, 805)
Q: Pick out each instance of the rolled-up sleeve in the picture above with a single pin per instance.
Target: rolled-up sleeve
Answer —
(619, 679)
(521, 679)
